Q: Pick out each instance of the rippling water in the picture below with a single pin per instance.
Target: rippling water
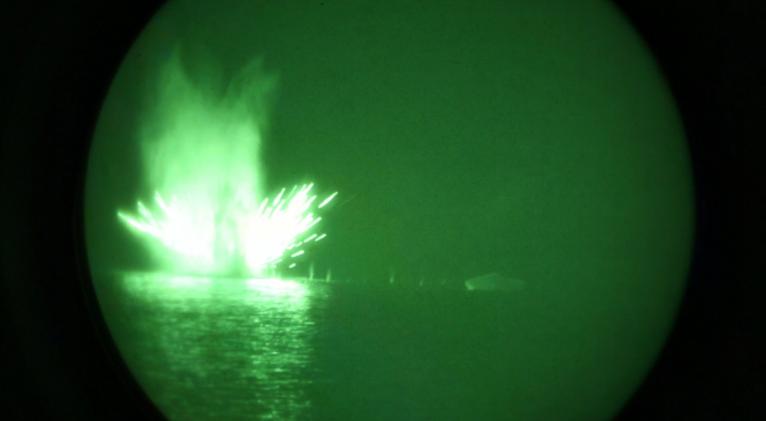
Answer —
(282, 350)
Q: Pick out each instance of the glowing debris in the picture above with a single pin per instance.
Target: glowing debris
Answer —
(216, 237)
(327, 200)
(201, 148)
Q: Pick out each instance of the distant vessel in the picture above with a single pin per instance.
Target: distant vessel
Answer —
(494, 282)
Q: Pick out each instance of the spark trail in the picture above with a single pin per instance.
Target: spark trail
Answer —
(200, 142)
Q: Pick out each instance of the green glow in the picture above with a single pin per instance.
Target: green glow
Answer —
(510, 240)
(278, 287)
(168, 287)
(327, 201)
(204, 151)
(187, 310)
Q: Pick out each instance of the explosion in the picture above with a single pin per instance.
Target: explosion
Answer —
(233, 236)
(200, 138)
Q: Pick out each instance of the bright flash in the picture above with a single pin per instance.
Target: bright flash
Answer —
(218, 237)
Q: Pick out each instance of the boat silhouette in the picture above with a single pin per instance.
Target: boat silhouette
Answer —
(494, 282)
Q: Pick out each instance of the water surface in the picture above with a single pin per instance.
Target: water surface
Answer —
(277, 349)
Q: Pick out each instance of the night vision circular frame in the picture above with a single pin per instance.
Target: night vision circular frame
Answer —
(396, 210)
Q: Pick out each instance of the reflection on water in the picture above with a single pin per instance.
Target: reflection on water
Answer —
(210, 348)
(298, 349)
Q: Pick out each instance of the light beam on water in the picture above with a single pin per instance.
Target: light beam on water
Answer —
(207, 332)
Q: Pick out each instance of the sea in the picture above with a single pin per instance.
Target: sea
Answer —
(308, 349)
